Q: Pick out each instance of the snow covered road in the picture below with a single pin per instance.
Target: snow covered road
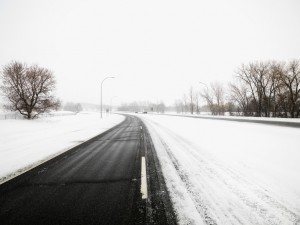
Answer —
(224, 172)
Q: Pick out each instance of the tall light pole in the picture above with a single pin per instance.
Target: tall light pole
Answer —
(101, 93)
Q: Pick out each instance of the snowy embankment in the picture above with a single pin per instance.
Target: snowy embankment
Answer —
(24, 144)
(225, 172)
(241, 118)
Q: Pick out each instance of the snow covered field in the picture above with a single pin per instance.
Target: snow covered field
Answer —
(26, 143)
(224, 172)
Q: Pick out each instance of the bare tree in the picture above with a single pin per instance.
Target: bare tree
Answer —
(255, 76)
(219, 93)
(29, 90)
(290, 77)
(161, 107)
(191, 100)
(239, 93)
(209, 98)
(275, 86)
(185, 103)
(73, 107)
(178, 106)
(231, 108)
(197, 102)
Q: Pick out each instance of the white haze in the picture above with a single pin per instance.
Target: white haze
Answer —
(156, 49)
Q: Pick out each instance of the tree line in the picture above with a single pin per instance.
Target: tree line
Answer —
(261, 89)
(143, 106)
(73, 107)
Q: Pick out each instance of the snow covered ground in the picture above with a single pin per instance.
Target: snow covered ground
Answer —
(217, 172)
(225, 172)
(207, 115)
(24, 143)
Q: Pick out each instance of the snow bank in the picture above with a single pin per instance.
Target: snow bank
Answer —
(224, 172)
(26, 143)
(205, 115)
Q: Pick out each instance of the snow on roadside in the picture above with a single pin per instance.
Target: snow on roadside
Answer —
(224, 172)
(24, 143)
(273, 119)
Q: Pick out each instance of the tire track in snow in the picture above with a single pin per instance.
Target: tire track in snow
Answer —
(255, 199)
(258, 193)
(199, 203)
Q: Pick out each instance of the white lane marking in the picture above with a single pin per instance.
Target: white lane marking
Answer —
(141, 127)
(144, 180)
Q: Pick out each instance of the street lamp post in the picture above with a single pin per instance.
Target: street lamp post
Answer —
(101, 93)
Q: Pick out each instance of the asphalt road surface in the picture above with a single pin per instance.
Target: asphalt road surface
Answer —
(98, 182)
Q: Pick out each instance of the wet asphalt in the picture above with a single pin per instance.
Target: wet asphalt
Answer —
(97, 182)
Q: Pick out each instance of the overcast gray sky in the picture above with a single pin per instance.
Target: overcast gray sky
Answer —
(156, 49)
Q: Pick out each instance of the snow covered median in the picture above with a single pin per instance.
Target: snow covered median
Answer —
(225, 172)
(25, 144)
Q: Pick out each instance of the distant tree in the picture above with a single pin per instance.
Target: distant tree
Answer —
(197, 102)
(161, 107)
(178, 106)
(28, 90)
(185, 103)
(73, 107)
(230, 108)
(69, 106)
(78, 107)
(268, 88)
(58, 105)
(219, 94)
(209, 98)
(191, 97)
(290, 78)
(258, 78)
(239, 93)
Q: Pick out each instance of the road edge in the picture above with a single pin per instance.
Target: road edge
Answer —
(55, 156)
(159, 202)
(243, 120)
